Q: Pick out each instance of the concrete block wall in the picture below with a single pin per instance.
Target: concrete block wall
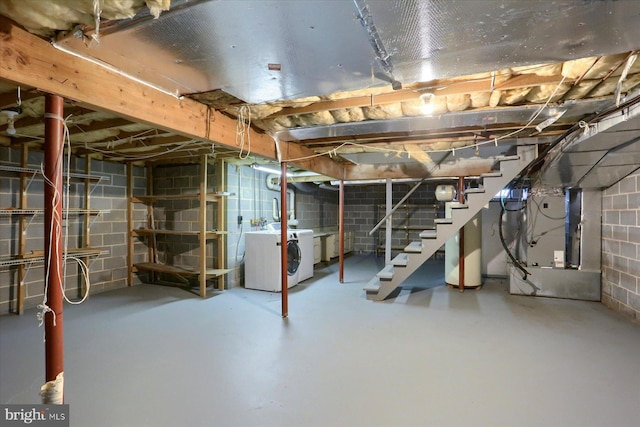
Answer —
(621, 246)
(365, 206)
(108, 230)
(317, 208)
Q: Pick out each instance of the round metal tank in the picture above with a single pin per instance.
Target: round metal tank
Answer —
(472, 252)
(445, 193)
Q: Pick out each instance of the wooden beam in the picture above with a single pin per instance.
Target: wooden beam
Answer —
(29, 60)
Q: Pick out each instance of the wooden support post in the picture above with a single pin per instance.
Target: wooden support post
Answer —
(53, 190)
(129, 224)
(221, 209)
(202, 236)
(86, 223)
(22, 238)
(152, 240)
(461, 236)
(341, 229)
(283, 238)
(388, 247)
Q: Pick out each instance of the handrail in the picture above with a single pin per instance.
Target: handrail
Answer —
(409, 193)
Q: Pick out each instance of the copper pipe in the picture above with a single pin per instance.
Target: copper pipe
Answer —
(461, 236)
(283, 239)
(53, 155)
(341, 230)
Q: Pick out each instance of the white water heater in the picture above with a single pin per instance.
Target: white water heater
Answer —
(472, 252)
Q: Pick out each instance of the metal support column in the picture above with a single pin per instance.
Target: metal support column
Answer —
(387, 235)
(341, 230)
(461, 238)
(202, 236)
(283, 239)
(53, 190)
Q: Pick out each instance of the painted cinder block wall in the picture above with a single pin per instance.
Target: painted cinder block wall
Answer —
(364, 207)
(620, 246)
(109, 230)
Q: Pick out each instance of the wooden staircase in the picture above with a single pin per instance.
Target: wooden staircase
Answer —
(416, 253)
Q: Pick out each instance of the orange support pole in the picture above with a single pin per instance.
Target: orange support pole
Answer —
(53, 165)
(341, 230)
(461, 235)
(284, 236)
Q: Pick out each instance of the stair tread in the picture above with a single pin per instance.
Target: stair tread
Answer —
(443, 221)
(414, 247)
(491, 175)
(373, 285)
(429, 234)
(507, 158)
(400, 260)
(474, 190)
(460, 206)
(386, 273)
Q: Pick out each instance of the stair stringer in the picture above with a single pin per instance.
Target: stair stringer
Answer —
(392, 276)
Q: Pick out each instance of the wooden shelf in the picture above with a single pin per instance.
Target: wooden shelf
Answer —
(185, 271)
(150, 232)
(211, 197)
(203, 232)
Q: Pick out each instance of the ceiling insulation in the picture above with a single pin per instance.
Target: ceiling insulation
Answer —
(48, 17)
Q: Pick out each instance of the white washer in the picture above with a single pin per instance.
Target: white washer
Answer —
(262, 260)
(305, 240)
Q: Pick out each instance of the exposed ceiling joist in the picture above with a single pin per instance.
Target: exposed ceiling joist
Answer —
(28, 60)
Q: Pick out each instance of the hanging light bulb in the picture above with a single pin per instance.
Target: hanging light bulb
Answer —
(427, 108)
(11, 115)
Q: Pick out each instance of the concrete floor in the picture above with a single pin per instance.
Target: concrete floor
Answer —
(158, 356)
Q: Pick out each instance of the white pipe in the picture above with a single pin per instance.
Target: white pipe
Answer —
(115, 70)
(387, 234)
(271, 185)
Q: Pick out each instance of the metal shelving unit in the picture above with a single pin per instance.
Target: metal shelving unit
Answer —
(23, 260)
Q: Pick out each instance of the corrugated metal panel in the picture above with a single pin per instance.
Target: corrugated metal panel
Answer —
(599, 157)
(322, 47)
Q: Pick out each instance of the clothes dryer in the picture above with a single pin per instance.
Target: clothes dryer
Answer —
(262, 260)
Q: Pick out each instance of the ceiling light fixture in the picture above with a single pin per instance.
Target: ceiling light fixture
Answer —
(11, 114)
(427, 108)
(269, 170)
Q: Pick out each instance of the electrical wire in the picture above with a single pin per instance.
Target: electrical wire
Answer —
(60, 200)
(513, 259)
(243, 131)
